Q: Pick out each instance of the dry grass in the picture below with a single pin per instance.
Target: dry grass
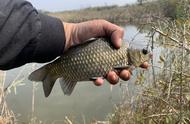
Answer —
(115, 14)
(168, 100)
(7, 116)
(111, 13)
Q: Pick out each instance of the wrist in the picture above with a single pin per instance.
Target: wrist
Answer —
(69, 29)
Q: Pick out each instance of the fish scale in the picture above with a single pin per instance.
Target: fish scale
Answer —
(92, 59)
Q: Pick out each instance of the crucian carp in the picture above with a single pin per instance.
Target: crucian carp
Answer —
(87, 61)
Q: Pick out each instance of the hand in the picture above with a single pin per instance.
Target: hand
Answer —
(78, 33)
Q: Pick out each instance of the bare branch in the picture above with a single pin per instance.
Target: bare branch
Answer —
(171, 38)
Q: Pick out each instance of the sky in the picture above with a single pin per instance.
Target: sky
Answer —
(61, 5)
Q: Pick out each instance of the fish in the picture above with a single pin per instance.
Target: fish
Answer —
(86, 62)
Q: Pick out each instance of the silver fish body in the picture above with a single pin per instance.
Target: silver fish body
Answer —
(81, 63)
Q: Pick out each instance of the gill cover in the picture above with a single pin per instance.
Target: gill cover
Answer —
(138, 56)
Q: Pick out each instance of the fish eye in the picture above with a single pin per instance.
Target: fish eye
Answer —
(144, 51)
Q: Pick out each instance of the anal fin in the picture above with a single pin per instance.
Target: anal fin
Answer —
(67, 86)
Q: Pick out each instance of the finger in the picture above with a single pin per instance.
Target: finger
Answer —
(98, 82)
(112, 78)
(125, 75)
(98, 28)
(145, 65)
(117, 37)
(115, 32)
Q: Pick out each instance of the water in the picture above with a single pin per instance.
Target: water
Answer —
(86, 102)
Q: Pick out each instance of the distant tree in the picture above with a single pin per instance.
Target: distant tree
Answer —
(143, 1)
(140, 2)
(176, 9)
(169, 8)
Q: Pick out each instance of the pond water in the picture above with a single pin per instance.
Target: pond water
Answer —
(87, 102)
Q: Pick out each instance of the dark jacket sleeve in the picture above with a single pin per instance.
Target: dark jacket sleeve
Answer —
(27, 36)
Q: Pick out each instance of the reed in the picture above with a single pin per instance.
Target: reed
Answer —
(7, 116)
(166, 98)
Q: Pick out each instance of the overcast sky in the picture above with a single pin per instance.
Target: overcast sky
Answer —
(61, 5)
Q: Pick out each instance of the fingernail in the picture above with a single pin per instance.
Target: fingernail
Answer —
(114, 77)
(119, 43)
(115, 80)
(99, 82)
(125, 75)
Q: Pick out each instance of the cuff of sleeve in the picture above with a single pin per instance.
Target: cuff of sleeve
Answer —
(51, 41)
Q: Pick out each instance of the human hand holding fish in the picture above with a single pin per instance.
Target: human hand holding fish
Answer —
(77, 33)
(94, 59)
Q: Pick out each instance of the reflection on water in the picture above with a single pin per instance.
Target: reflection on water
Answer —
(87, 101)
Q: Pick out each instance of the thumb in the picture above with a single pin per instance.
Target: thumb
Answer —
(115, 32)
(117, 37)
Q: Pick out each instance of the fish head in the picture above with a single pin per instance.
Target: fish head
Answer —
(138, 56)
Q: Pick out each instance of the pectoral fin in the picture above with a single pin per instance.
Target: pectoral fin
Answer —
(67, 86)
(94, 78)
(121, 67)
(128, 67)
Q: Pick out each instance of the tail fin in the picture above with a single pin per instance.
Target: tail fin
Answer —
(39, 74)
(43, 75)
